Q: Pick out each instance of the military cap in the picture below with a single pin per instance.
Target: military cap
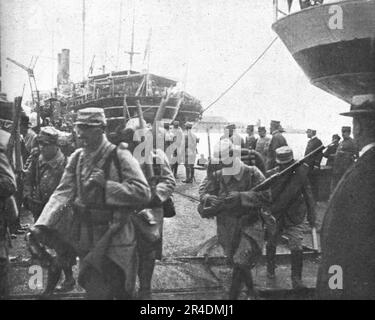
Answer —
(176, 123)
(275, 123)
(262, 129)
(91, 117)
(313, 131)
(188, 125)
(230, 126)
(284, 155)
(48, 135)
(336, 137)
(365, 109)
(250, 126)
(346, 129)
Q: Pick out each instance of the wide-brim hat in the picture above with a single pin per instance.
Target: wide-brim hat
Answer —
(284, 155)
(361, 108)
(93, 117)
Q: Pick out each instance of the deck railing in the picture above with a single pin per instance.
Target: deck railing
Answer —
(282, 8)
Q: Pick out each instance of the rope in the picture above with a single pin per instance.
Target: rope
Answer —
(241, 76)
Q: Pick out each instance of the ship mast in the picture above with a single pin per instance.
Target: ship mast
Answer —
(83, 37)
(119, 36)
(131, 53)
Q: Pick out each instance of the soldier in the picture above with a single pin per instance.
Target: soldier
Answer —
(347, 235)
(178, 139)
(8, 211)
(231, 134)
(292, 201)
(276, 142)
(263, 143)
(237, 211)
(346, 154)
(44, 172)
(251, 140)
(29, 137)
(331, 150)
(313, 144)
(105, 185)
(191, 141)
(162, 182)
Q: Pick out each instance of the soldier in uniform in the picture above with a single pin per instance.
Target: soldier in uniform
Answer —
(8, 211)
(44, 172)
(251, 140)
(237, 210)
(331, 150)
(313, 144)
(231, 134)
(347, 235)
(191, 141)
(292, 202)
(178, 140)
(105, 185)
(160, 177)
(276, 142)
(346, 154)
(263, 143)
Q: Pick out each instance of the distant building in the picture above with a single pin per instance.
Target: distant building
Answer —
(214, 123)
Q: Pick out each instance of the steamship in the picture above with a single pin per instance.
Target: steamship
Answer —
(118, 93)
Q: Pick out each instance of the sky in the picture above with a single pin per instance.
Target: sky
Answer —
(205, 44)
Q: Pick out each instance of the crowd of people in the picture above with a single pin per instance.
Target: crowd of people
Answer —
(102, 203)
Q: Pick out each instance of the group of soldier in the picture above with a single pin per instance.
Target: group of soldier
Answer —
(106, 206)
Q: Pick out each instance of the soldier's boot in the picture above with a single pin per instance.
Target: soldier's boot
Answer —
(248, 279)
(296, 266)
(145, 272)
(187, 173)
(69, 282)
(54, 274)
(236, 285)
(271, 261)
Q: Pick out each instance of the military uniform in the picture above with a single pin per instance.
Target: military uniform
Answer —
(191, 141)
(43, 176)
(292, 202)
(8, 187)
(239, 227)
(346, 154)
(262, 147)
(276, 142)
(102, 228)
(162, 186)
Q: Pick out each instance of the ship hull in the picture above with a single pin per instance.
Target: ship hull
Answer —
(340, 61)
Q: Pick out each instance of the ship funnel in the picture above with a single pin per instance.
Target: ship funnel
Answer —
(63, 67)
(334, 44)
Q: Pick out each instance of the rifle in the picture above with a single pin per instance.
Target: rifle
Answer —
(206, 210)
(15, 148)
(266, 184)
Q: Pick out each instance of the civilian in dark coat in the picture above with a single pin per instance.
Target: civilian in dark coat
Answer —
(348, 237)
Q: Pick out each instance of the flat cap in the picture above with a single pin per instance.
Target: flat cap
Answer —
(91, 117)
(284, 155)
(48, 135)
